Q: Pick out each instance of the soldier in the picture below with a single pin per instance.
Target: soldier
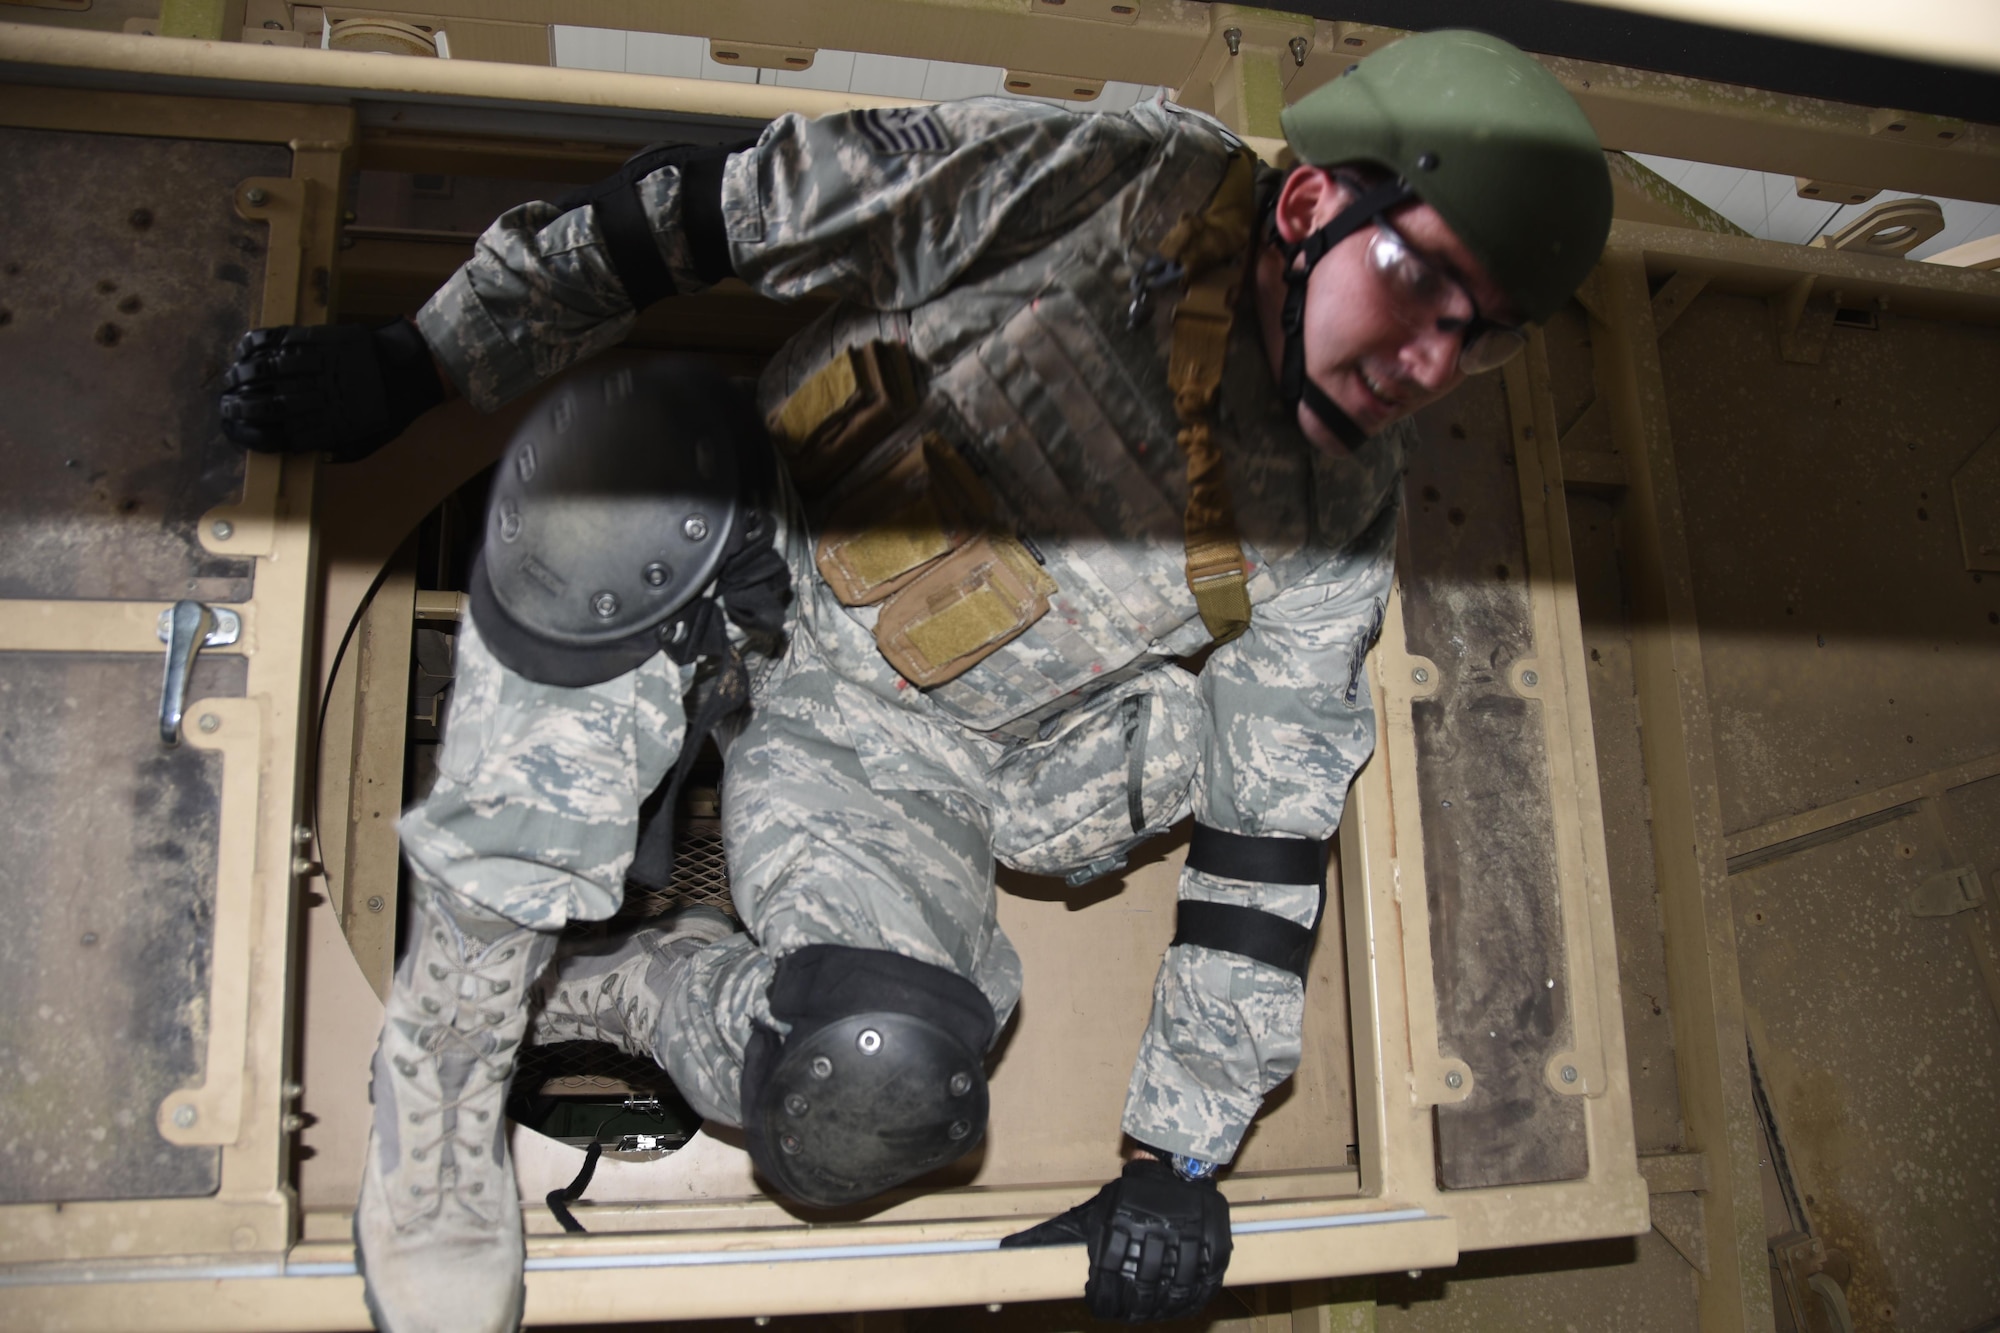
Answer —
(997, 564)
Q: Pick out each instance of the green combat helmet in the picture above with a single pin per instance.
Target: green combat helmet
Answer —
(1485, 135)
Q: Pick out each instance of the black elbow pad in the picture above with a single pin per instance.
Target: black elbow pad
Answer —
(628, 232)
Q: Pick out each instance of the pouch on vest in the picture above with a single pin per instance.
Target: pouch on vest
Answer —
(960, 610)
(847, 408)
(925, 506)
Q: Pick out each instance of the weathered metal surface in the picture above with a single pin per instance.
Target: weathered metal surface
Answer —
(107, 886)
(1631, 1286)
(1847, 647)
(125, 278)
(1880, 1050)
(1621, 762)
(1488, 826)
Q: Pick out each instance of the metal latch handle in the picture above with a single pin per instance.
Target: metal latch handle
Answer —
(186, 628)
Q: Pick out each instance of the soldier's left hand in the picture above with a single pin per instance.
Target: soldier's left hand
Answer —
(1158, 1245)
(338, 389)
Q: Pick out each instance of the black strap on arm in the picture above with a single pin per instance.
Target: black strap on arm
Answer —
(1249, 931)
(628, 231)
(1262, 860)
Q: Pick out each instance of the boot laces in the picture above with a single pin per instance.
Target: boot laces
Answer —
(462, 1048)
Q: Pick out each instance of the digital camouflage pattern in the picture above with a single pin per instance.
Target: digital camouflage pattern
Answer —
(995, 240)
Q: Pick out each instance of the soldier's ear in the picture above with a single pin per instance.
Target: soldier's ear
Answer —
(1310, 198)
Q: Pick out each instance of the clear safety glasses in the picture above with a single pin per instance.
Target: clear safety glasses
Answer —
(1429, 297)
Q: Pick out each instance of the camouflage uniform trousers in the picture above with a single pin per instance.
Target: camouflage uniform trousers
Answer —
(846, 819)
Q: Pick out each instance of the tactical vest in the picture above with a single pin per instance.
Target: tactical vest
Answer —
(993, 478)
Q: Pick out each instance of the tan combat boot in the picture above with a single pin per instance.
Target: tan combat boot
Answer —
(437, 1233)
(610, 990)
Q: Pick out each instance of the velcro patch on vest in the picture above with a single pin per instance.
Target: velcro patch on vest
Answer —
(843, 410)
(893, 131)
(927, 505)
(962, 609)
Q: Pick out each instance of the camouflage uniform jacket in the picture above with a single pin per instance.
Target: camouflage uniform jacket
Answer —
(996, 240)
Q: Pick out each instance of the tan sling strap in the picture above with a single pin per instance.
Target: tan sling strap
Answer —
(1211, 249)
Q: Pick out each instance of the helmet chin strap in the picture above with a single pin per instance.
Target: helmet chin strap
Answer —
(1293, 384)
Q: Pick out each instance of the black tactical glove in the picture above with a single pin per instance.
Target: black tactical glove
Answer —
(331, 388)
(1158, 1244)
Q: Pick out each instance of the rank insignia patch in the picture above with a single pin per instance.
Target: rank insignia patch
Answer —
(906, 129)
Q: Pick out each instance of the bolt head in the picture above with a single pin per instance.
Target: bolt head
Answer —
(605, 604)
(1416, 1273)
(1530, 679)
(209, 722)
(1454, 1079)
(657, 575)
(959, 1129)
(223, 529)
(695, 528)
(375, 904)
(796, 1105)
(185, 1116)
(1420, 676)
(257, 197)
(1569, 1073)
(822, 1067)
(870, 1041)
(961, 1083)
(790, 1143)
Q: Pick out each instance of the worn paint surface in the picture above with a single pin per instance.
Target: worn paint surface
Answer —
(1489, 839)
(1613, 1286)
(108, 891)
(1880, 1050)
(124, 281)
(1846, 645)
(1604, 605)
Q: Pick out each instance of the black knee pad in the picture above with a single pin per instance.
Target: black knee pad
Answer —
(631, 501)
(881, 1079)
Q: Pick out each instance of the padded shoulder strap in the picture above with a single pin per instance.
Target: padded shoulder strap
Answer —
(1212, 248)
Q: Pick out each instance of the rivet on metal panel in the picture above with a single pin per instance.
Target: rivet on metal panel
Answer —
(375, 903)
(293, 1123)
(209, 722)
(223, 529)
(185, 1116)
(1569, 1073)
(1454, 1080)
(256, 197)
(1415, 1273)
(1530, 679)
(994, 1307)
(302, 834)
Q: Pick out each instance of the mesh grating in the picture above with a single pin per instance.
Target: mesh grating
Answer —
(701, 875)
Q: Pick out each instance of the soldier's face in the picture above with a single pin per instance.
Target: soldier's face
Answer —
(1386, 307)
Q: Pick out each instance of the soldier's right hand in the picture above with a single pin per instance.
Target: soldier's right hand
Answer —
(338, 389)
